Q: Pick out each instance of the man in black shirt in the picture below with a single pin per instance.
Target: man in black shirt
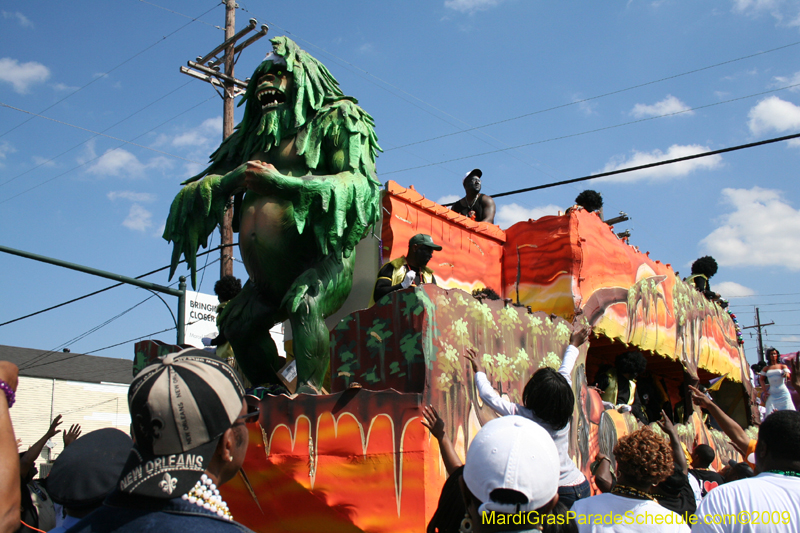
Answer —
(407, 270)
(474, 205)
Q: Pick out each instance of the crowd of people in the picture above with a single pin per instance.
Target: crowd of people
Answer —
(518, 475)
(188, 414)
(188, 438)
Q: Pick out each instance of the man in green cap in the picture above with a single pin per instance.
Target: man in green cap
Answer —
(407, 270)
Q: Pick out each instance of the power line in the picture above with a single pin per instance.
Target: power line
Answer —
(99, 156)
(30, 362)
(106, 73)
(186, 16)
(763, 305)
(578, 102)
(649, 165)
(592, 131)
(103, 290)
(765, 295)
(96, 134)
(130, 340)
(90, 138)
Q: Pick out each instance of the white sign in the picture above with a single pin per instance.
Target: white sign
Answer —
(200, 313)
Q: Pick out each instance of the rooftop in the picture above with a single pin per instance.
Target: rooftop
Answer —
(67, 366)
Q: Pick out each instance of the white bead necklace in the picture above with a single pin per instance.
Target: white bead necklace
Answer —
(206, 495)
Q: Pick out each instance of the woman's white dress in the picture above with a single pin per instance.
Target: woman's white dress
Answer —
(779, 398)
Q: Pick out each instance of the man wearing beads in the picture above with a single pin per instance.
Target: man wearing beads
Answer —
(479, 207)
(182, 452)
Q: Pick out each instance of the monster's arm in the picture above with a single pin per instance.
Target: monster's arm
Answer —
(338, 195)
(195, 213)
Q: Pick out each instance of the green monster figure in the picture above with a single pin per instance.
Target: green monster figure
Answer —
(304, 158)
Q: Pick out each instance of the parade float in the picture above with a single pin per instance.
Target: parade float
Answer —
(314, 230)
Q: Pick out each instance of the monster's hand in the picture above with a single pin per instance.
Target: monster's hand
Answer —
(338, 207)
(195, 212)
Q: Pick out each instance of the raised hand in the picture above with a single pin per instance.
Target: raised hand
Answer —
(71, 435)
(666, 424)
(52, 431)
(474, 360)
(432, 421)
(699, 398)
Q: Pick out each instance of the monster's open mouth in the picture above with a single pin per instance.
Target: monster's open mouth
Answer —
(270, 98)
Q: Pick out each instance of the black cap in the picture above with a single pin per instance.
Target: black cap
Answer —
(87, 470)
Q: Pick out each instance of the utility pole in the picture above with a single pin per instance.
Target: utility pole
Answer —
(206, 68)
(759, 325)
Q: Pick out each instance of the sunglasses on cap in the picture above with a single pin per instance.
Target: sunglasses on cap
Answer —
(253, 410)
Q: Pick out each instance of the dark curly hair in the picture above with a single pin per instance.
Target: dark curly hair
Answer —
(590, 200)
(486, 293)
(227, 287)
(643, 457)
(630, 363)
(706, 266)
(550, 397)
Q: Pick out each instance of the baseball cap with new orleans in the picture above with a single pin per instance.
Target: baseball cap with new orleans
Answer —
(512, 453)
(424, 240)
(179, 408)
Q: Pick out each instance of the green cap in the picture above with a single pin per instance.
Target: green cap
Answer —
(424, 240)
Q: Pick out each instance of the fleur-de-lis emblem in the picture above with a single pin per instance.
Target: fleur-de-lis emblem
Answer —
(168, 483)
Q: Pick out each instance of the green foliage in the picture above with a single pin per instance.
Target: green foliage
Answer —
(409, 345)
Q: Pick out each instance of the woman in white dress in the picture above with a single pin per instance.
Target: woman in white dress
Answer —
(779, 398)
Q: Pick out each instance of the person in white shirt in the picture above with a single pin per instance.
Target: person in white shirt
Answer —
(510, 480)
(549, 401)
(643, 460)
(771, 500)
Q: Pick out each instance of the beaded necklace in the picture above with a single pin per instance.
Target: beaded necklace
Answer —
(206, 495)
(630, 492)
(790, 473)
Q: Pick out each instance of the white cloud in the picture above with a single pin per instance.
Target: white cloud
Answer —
(668, 106)
(448, 199)
(132, 196)
(63, 87)
(208, 133)
(22, 75)
(790, 338)
(773, 115)
(118, 162)
(783, 81)
(510, 214)
(139, 218)
(21, 19)
(43, 161)
(587, 107)
(762, 230)
(673, 170)
(471, 6)
(6, 149)
(730, 289)
(785, 12)
(367, 48)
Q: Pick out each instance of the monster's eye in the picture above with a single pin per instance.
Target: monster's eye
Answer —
(280, 73)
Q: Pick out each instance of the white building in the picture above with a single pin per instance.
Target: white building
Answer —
(85, 389)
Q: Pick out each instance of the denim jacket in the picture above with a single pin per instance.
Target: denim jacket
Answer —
(128, 514)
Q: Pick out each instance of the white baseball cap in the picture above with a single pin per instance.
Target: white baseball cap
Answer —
(513, 453)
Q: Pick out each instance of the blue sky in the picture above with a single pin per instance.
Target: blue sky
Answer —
(570, 88)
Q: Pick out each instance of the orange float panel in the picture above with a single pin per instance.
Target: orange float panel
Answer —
(560, 264)
(472, 251)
